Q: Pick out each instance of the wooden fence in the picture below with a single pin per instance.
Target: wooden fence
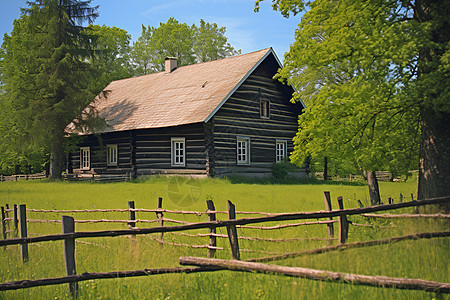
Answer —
(69, 237)
(42, 175)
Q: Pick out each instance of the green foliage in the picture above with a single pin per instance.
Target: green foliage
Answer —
(46, 78)
(189, 44)
(281, 170)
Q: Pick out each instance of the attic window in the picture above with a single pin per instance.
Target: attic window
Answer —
(264, 109)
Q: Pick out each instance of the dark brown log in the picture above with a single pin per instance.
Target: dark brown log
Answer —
(68, 226)
(160, 215)
(212, 238)
(16, 222)
(325, 168)
(23, 231)
(327, 202)
(3, 223)
(132, 214)
(376, 281)
(343, 224)
(232, 233)
(224, 223)
(340, 247)
(23, 284)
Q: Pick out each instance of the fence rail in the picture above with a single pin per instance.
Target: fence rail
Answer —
(70, 237)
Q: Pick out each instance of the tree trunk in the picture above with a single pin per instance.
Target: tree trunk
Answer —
(434, 163)
(434, 166)
(57, 157)
(374, 191)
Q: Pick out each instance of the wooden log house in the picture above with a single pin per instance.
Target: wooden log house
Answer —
(219, 118)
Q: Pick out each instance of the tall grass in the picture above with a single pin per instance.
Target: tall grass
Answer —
(426, 259)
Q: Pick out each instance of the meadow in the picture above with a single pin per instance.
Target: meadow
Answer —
(425, 259)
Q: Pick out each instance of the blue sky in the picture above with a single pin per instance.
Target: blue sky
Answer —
(246, 30)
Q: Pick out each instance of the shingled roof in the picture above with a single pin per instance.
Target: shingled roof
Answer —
(188, 94)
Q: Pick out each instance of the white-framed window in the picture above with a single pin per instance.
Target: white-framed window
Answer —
(264, 108)
(112, 155)
(85, 158)
(243, 151)
(280, 151)
(178, 152)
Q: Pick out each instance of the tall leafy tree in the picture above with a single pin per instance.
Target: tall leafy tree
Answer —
(111, 54)
(46, 74)
(375, 76)
(189, 44)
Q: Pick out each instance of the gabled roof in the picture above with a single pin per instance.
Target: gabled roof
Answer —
(189, 94)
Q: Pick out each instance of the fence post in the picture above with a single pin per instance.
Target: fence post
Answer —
(327, 201)
(360, 204)
(16, 221)
(212, 239)
(68, 226)
(232, 233)
(1, 178)
(3, 223)
(23, 230)
(343, 224)
(401, 198)
(132, 214)
(159, 216)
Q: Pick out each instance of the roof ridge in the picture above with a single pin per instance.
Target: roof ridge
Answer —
(204, 62)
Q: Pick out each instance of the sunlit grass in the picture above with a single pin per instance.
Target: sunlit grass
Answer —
(425, 259)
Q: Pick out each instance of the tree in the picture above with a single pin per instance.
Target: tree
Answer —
(46, 75)
(375, 76)
(111, 54)
(189, 44)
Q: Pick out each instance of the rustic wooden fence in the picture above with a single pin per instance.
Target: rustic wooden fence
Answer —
(69, 237)
(41, 175)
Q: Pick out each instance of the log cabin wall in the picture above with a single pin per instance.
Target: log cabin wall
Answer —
(240, 117)
(145, 152)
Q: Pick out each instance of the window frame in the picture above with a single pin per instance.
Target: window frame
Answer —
(82, 158)
(280, 158)
(246, 141)
(264, 108)
(109, 162)
(173, 151)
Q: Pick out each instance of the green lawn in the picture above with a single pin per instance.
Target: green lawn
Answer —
(425, 259)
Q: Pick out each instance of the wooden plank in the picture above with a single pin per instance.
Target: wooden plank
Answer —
(212, 239)
(232, 233)
(68, 226)
(23, 230)
(16, 221)
(322, 275)
(327, 202)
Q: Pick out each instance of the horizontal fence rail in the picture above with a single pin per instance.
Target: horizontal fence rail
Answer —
(224, 223)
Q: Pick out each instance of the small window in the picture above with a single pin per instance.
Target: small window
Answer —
(264, 109)
(112, 155)
(85, 158)
(178, 152)
(243, 151)
(280, 151)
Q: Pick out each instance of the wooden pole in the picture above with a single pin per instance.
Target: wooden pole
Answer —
(212, 239)
(232, 233)
(132, 215)
(401, 198)
(327, 202)
(343, 224)
(160, 215)
(360, 203)
(7, 216)
(16, 221)
(3, 223)
(322, 275)
(68, 226)
(23, 230)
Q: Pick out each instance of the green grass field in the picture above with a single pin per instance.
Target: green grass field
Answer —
(425, 259)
